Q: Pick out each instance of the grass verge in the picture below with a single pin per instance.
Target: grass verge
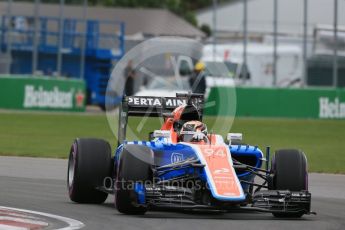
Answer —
(50, 135)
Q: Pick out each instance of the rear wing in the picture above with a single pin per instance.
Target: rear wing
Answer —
(145, 106)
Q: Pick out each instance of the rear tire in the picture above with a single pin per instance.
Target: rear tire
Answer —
(134, 166)
(88, 165)
(289, 167)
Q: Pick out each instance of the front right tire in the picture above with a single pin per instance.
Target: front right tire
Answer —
(89, 164)
(289, 168)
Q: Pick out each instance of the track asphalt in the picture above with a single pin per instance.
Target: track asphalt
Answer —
(40, 185)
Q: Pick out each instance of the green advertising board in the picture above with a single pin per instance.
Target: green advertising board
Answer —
(42, 93)
(323, 103)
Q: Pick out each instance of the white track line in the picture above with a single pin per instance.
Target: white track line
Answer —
(23, 220)
(7, 227)
(72, 224)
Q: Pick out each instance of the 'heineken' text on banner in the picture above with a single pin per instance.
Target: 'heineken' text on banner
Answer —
(329, 109)
(44, 98)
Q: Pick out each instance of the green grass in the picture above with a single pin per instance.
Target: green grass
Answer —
(47, 135)
(50, 135)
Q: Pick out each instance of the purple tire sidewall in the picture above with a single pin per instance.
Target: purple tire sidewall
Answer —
(116, 182)
(73, 151)
(306, 180)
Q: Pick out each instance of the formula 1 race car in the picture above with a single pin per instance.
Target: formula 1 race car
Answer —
(182, 166)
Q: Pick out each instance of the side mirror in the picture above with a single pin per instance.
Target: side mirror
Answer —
(161, 133)
(234, 137)
(151, 137)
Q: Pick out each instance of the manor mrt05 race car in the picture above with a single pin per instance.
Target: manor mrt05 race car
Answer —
(182, 166)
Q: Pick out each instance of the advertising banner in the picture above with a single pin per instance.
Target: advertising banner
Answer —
(42, 93)
(322, 103)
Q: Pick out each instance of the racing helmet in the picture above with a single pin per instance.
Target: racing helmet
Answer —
(193, 131)
(183, 114)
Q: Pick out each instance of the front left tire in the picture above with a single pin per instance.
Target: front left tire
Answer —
(135, 166)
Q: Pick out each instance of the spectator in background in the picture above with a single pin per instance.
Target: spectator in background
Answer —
(129, 74)
(21, 28)
(197, 79)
